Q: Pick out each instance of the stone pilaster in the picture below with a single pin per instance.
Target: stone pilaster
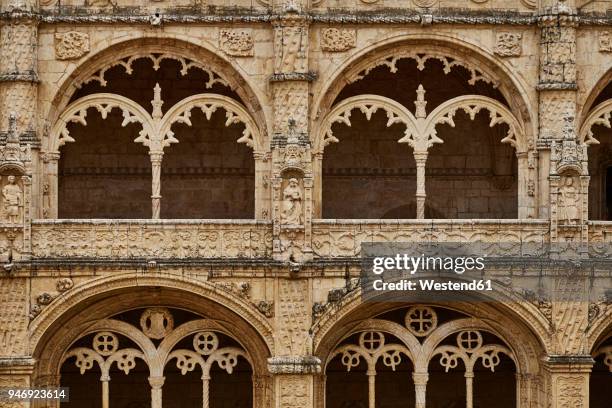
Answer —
(560, 155)
(567, 379)
(292, 174)
(16, 372)
(294, 380)
(19, 92)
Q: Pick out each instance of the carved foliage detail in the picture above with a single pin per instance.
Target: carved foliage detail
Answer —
(338, 39)
(508, 44)
(605, 41)
(237, 43)
(71, 45)
(571, 392)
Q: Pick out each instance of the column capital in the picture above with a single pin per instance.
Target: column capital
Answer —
(420, 378)
(156, 382)
(294, 365)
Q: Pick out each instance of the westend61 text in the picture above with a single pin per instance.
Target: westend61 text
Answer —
(432, 285)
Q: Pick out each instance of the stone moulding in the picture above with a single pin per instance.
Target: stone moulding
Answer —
(473, 18)
(141, 239)
(294, 365)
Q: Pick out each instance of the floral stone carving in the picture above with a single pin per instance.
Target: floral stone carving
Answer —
(508, 44)
(238, 43)
(71, 45)
(337, 40)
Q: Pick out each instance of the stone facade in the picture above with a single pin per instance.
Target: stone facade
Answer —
(185, 188)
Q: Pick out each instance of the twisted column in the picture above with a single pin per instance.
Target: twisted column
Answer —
(421, 160)
(156, 162)
(420, 388)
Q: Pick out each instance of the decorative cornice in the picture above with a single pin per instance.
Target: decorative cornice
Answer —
(388, 16)
(294, 76)
(20, 77)
(556, 86)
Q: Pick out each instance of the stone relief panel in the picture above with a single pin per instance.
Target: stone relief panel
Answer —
(555, 105)
(105, 240)
(605, 41)
(291, 102)
(508, 44)
(338, 39)
(294, 392)
(22, 97)
(290, 49)
(13, 316)
(237, 43)
(293, 317)
(71, 45)
(571, 392)
(21, 40)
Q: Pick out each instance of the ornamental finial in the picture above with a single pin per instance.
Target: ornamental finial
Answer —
(420, 102)
(157, 102)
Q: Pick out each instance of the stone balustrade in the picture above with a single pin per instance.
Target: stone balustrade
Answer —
(159, 239)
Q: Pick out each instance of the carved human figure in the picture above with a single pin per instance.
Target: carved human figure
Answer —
(292, 204)
(13, 199)
(569, 202)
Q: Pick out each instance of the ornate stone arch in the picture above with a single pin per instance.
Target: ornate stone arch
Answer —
(421, 321)
(452, 51)
(513, 325)
(420, 130)
(189, 54)
(70, 315)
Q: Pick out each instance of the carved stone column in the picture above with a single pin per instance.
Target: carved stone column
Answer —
(292, 173)
(557, 111)
(156, 391)
(16, 372)
(19, 74)
(294, 380)
(156, 163)
(420, 388)
(421, 160)
(568, 381)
